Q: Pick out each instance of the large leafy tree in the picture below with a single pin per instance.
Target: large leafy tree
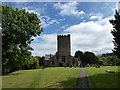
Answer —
(90, 58)
(78, 54)
(18, 28)
(87, 57)
(116, 33)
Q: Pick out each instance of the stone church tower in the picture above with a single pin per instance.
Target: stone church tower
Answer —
(63, 55)
(63, 45)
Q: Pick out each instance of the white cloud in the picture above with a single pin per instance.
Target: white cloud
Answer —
(65, 26)
(46, 21)
(46, 46)
(31, 11)
(119, 5)
(85, 36)
(68, 9)
(95, 17)
(92, 36)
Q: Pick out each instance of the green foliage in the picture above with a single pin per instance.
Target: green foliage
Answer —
(35, 63)
(116, 61)
(18, 28)
(109, 60)
(116, 33)
(87, 57)
(79, 54)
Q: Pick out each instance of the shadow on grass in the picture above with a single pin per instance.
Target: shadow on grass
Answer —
(69, 83)
(104, 81)
(98, 81)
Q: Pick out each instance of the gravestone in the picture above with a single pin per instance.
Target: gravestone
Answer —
(110, 71)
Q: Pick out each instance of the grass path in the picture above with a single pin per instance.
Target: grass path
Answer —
(82, 80)
(42, 78)
(99, 78)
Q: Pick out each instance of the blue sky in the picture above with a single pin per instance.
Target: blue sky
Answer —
(86, 22)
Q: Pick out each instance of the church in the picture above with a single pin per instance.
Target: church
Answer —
(62, 57)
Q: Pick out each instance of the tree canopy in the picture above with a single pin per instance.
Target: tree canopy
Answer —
(86, 57)
(18, 28)
(78, 54)
(116, 33)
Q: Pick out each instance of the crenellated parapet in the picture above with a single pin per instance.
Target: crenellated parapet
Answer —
(63, 35)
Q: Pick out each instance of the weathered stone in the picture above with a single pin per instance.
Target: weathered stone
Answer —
(63, 55)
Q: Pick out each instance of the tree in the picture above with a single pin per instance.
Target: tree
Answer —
(90, 58)
(116, 61)
(79, 54)
(18, 28)
(87, 57)
(35, 63)
(116, 33)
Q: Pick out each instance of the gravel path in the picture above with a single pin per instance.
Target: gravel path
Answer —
(82, 80)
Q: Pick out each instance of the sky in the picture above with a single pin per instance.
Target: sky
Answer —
(86, 22)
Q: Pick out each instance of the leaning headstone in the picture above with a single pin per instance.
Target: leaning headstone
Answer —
(110, 71)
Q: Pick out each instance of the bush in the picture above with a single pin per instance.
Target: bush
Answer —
(35, 63)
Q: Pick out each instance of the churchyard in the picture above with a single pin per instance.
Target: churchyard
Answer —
(22, 68)
(60, 77)
(99, 78)
(42, 78)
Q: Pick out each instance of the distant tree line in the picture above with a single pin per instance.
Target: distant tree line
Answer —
(109, 59)
(108, 54)
(90, 59)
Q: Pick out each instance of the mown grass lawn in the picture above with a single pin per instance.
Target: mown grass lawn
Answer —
(99, 78)
(42, 78)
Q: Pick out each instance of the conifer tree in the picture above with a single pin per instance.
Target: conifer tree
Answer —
(116, 33)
